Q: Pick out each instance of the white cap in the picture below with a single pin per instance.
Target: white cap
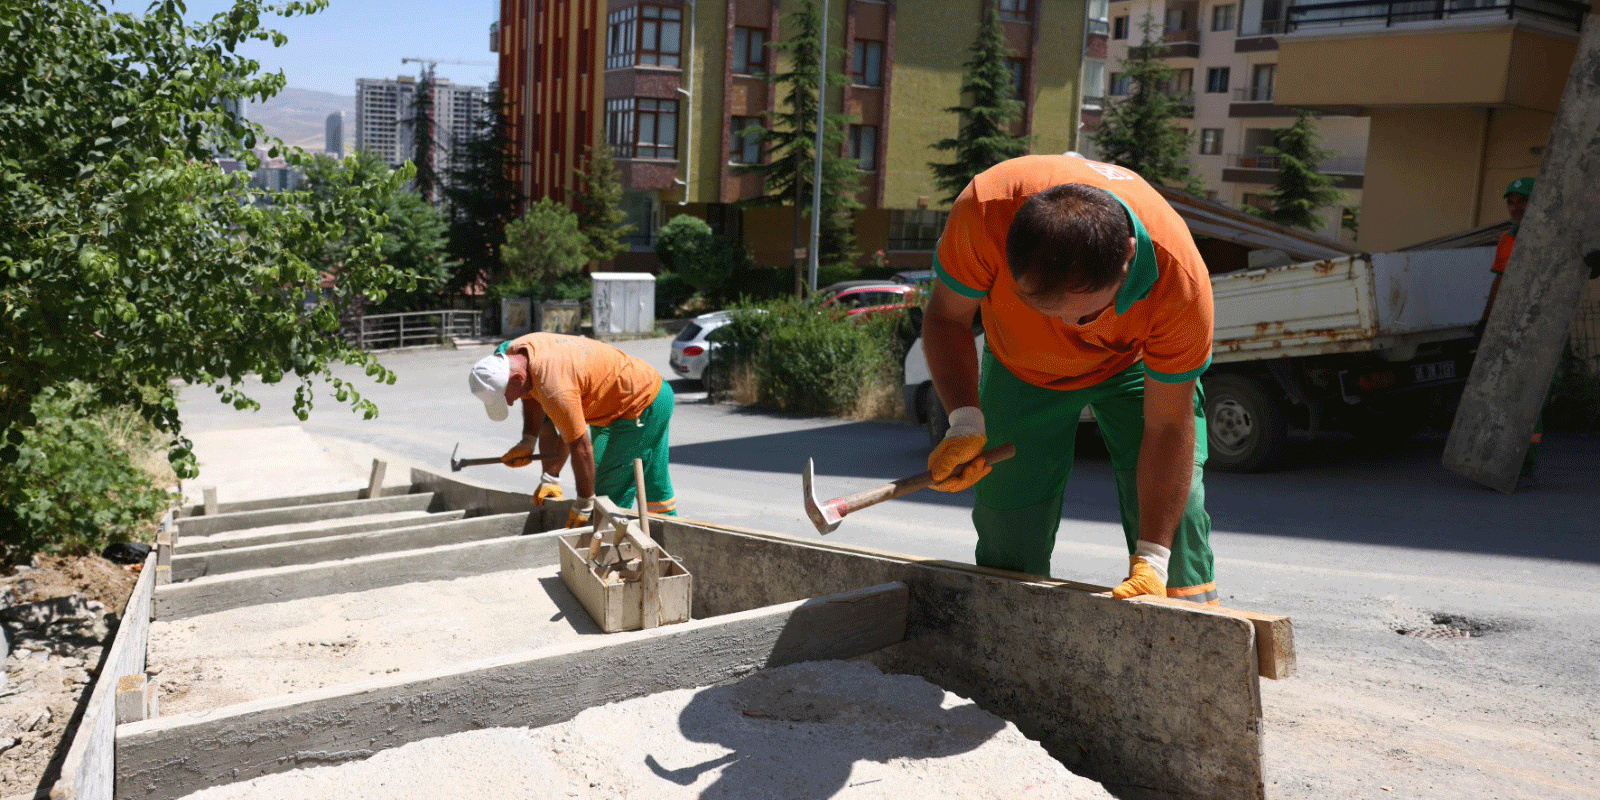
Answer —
(488, 381)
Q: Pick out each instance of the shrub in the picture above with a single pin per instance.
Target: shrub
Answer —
(700, 258)
(86, 476)
(808, 361)
(544, 245)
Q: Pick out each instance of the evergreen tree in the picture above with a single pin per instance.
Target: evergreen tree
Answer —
(787, 174)
(1137, 131)
(1301, 187)
(598, 201)
(483, 197)
(422, 138)
(985, 137)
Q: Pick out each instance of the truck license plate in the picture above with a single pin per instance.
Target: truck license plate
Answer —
(1437, 371)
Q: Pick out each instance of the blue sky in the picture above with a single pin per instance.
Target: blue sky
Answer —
(352, 39)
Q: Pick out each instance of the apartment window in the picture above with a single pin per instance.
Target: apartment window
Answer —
(641, 127)
(866, 63)
(1222, 17)
(1257, 201)
(1216, 79)
(1181, 84)
(1121, 84)
(749, 51)
(1019, 77)
(1119, 27)
(643, 211)
(915, 230)
(1016, 10)
(1094, 82)
(1261, 78)
(746, 140)
(1210, 141)
(864, 146)
(1177, 18)
(622, 36)
(644, 34)
(1099, 10)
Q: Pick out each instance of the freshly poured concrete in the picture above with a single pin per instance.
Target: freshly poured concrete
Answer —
(280, 648)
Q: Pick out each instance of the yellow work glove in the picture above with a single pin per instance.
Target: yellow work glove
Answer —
(549, 489)
(962, 445)
(1147, 572)
(581, 510)
(521, 454)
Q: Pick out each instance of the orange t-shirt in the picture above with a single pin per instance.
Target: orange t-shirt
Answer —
(1502, 252)
(579, 381)
(1163, 311)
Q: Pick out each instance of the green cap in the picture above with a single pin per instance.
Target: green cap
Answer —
(1522, 186)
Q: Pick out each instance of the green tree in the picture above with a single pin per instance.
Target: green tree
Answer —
(1137, 131)
(703, 259)
(1301, 188)
(483, 197)
(423, 142)
(413, 230)
(127, 260)
(984, 138)
(787, 173)
(598, 198)
(543, 246)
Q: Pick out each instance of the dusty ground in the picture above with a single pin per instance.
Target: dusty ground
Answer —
(58, 616)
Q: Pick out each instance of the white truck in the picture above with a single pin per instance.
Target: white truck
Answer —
(1376, 345)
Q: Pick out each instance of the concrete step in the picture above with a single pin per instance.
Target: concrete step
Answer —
(217, 523)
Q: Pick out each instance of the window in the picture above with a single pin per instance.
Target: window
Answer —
(1019, 77)
(1177, 18)
(749, 51)
(915, 230)
(1119, 27)
(1181, 84)
(1121, 84)
(1222, 17)
(1210, 141)
(1015, 10)
(1094, 82)
(1099, 9)
(644, 34)
(643, 211)
(864, 146)
(1261, 76)
(640, 127)
(1217, 79)
(1256, 201)
(866, 63)
(746, 140)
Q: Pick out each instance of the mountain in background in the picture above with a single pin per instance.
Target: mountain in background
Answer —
(297, 117)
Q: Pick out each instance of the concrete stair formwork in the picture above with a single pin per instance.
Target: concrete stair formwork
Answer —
(1058, 659)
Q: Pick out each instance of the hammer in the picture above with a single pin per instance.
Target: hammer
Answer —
(827, 514)
(457, 463)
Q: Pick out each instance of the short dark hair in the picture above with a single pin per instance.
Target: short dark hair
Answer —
(1072, 237)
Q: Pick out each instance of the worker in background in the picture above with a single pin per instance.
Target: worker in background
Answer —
(1092, 293)
(589, 400)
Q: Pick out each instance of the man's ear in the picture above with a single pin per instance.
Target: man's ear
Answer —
(1133, 248)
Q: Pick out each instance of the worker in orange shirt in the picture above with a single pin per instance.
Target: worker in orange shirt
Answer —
(589, 400)
(1092, 293)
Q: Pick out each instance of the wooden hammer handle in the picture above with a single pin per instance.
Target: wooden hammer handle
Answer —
(904, 486)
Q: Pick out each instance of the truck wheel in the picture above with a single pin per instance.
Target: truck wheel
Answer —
(933, 411)
(1245, 426)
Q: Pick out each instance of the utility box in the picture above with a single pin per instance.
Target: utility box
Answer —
(624, 304)
(558, 316)
(516, 316)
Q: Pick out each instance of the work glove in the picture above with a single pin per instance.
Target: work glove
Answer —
(582, 509)
(549, 489)
(1147, 572)
(962, 445)
(521, 454)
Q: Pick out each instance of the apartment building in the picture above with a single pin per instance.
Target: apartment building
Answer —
(677, 86)
(1226, 54)
(1460, 97)
(386, 110)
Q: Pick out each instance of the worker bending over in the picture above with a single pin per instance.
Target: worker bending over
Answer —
(587, 399)
(1092, 293)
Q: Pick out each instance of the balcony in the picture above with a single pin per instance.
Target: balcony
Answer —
(1099, 27)
(1348, 172)
(1181, 43)
(1364, 13)
(1258, 35)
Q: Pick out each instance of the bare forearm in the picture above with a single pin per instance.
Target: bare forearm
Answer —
(552, 447)
(952, 361)
(582, 451)
(1166, 468)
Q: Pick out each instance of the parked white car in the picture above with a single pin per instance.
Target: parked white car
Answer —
(691, 348)
(922, 402)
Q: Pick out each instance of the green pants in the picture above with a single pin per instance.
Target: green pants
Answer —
(618, 444)
(1018, 507)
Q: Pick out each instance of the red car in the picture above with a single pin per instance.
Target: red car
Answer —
(872, 299)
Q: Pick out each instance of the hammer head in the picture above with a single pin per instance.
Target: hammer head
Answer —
(455, 463)
(824, 514)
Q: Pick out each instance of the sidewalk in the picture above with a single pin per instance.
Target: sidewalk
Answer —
(282, 461)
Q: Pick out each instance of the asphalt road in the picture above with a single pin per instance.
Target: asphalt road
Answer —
(1491, 692)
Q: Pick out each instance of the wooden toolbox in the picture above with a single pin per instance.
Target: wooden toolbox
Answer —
(622, 576)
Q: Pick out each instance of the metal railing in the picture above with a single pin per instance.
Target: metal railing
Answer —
(412, 328)
(1253, 94)
(1366, 12)
(1341, 165)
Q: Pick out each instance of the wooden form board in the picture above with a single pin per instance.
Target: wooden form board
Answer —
(89, 769)
(1155, 699)
(210, 524)
(199, 509)
(252, 587)
(350, 545)
(177, 755)
(253, 537)
(454, 492)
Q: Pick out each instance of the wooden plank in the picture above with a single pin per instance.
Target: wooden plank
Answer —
(252, 587)
(132, 698)
(177, 755)
(1539, 296)
(210, 508)
(88, 770)
(291, 501)
(193, 545)
(1274, 635)
(354, 545)
(375, 482)
(238, 520)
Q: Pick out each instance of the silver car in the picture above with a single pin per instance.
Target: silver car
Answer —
(691, 349)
